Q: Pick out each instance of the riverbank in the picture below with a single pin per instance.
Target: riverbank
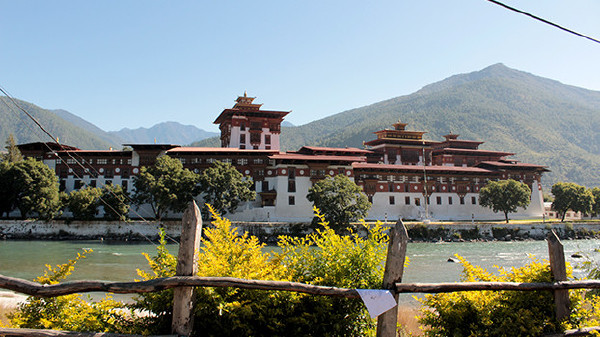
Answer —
(269, 231)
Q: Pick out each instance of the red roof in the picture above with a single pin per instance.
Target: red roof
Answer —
(512, 165)
(297, 156)
(335, 149)
(228, 113)
(190, 149)
(419, 168)
(472, 151)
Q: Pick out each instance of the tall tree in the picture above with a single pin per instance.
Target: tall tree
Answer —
(570, 196)
(165, 186)
(13, 154)
(340, 200)
(8, 193)
(596, 207)
(36, 188)
(84, 203)
(505, 196)
(115, 202)
(224, 187)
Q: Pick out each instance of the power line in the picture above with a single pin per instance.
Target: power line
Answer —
(543, 20)
(77, 162)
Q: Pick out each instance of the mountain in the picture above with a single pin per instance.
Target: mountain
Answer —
(541, 120)
(167, 132)
(82, 123)
(14, 121)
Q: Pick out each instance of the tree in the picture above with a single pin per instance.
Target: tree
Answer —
(505, 196)
(570, 196)
(224, 187)
(36, 188)
(114, 200)
(165, 186)
(340, 200)
(13, 155)
(84, 203)
(8, 197)
(596, 207)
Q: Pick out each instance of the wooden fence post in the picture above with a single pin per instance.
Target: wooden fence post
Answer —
(559, 272)
(394, 268)
(187, 265)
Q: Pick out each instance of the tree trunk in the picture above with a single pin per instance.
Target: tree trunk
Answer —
(506, 216)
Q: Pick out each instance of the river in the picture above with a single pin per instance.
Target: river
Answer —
(118, 261)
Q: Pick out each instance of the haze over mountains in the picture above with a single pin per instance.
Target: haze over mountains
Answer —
(541, 120)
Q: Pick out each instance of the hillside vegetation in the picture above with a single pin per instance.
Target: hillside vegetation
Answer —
(541, 120)
(25, 130)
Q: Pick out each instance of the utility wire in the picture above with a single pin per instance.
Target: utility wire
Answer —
(78, 162)
(543, 20)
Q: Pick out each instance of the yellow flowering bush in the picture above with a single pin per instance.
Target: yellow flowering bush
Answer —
(494, 313)
(69, 312)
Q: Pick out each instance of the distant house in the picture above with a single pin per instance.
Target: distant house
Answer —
(403, 175)
(549, 213)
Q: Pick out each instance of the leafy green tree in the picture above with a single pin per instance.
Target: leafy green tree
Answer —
(596, 206)
(571, 196)
(8, 197)
(36, 188)
(505, 196)
(224, 187)
(84, 203)
(115, 202)
(340, 200)
(165, 186)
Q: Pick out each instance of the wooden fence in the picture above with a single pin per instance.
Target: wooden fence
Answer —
(184, 282)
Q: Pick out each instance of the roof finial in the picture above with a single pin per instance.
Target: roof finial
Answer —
(245, 93)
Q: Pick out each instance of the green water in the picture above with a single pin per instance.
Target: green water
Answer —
(119, 261)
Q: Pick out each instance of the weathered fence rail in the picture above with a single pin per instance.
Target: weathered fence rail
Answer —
(184, 284)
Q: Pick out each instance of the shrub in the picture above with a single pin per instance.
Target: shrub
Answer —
(323, 258)
(494, 313)
(69, 312)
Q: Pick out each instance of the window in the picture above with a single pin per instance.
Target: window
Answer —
(77, 184)
(210, 160)
(449, 200)
(108, 182)
(63, 185)
(124, 185)
(265, 186)
(291, 200)
(261, 172)
(428, 201)
(258, 161)
(243, 138)
(125, 173)
(108, 173)
(101, 161)
(128, 161)
(92, 183)
(291, 186)
(182, 160)
(242, 161)
(291, 173)
(370, 198)
(417, 201)
(243, 126)
(462, 200)
(267, 139)
(392, 200)
(227, 160)
(474, 200)
(438, 200)
(70, 161)
(407, 200)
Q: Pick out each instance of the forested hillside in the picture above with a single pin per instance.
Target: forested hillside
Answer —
(541, 120)
(14, 121)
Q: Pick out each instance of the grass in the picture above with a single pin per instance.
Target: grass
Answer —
(407, 318)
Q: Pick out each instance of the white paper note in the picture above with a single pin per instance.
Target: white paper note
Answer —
(377, 301)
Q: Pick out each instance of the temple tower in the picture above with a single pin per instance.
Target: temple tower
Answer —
(246, 126)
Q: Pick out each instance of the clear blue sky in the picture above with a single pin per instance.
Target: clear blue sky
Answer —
(137, 63)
